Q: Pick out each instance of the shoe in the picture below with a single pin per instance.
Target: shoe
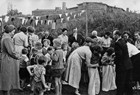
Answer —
(77, 93)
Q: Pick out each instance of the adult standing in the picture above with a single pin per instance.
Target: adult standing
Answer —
(106, 41)
(9, 77)
(137, 42)
(63, 36)
(134, 54)
(75, 37)
(21, 40)
(74, 64)
(48, 36)
(123, 65)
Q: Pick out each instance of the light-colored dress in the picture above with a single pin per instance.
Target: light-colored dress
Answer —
(109, 74)
(94, 79)
(9, 75)
(74, 63)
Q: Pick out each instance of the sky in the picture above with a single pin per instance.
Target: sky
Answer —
(26, 6)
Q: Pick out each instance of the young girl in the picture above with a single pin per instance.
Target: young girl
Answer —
(46, 45)
(48, 66)
(38, 74)
(38, 46)
(34, 56)
(94, 79)
(108, 70)
(24, 62)
(57, 65)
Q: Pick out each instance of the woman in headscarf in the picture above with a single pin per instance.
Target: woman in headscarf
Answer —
(9, 76)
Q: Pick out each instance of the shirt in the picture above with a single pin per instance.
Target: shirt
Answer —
(106, 42)
(64, 38)
(39, 70)
(132, 50)
(57, 60)
(23, 61)
(20, 39)
(49, 61)
(33, 39)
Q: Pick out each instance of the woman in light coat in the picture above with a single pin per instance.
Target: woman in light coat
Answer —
(9, 76)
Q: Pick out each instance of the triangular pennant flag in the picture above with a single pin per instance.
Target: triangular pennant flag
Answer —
(0, 19)
(6, 18)
(78, 14)
(48, 22)
(37, 17)
(68, 18)
(23, 20)
(66, 14)
(41, 22)
(60, 15)
(62, 19)
(26, 20)
(32, 17)
(71, 13)
(74, 15)
(36, 22)
(53, 25)
(82, 11)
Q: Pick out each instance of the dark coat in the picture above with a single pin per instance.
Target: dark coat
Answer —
(122, 60)
(80, 39)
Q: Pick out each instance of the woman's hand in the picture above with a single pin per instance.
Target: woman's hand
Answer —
(93, 65)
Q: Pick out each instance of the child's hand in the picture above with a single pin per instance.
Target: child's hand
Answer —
(46, 87)
(31, 74)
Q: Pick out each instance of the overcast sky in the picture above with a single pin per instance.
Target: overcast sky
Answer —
(26, 6)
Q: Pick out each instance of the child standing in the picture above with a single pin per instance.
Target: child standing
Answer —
(57, 65)
(48, 66)
(94, 79)
(108, 70)
(38, 74)
(46, 45)
(24, 62)
(38, 46)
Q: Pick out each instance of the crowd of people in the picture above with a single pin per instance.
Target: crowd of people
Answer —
(44, 63)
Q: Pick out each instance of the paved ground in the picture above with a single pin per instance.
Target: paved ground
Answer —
(67, 90)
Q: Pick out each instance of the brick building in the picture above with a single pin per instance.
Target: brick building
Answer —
(95, 6)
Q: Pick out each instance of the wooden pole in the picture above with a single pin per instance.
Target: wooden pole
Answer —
(86, 10)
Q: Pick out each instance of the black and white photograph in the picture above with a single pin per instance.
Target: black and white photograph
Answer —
(69, 47)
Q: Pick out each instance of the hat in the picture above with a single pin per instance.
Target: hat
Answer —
(9, 28)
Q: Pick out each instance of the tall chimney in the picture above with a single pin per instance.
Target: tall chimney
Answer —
(64, 6)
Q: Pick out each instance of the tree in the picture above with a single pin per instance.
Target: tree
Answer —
(13, 12)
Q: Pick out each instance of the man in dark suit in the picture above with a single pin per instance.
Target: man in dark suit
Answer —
(75, 37)
(47, 36)
(123, 66)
